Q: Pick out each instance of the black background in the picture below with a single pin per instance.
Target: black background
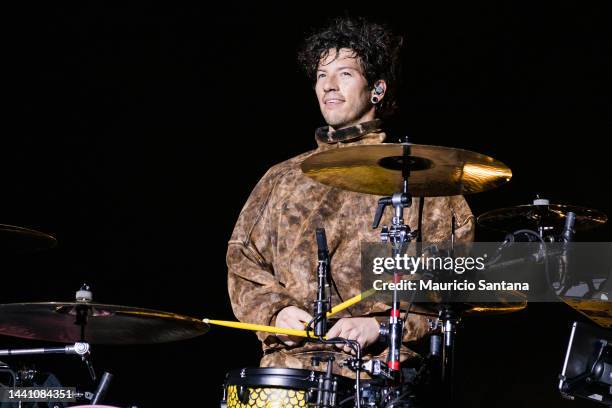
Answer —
(135, 134)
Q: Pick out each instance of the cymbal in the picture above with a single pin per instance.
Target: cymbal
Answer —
(532, 216)
(15, 239)
(105, 324)
(507, 302)
(471, 309)
(597, 310)
(379, 169)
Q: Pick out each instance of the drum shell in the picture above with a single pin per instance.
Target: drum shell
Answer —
(279, 388)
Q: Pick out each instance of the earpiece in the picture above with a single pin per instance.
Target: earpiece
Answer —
(378, 89)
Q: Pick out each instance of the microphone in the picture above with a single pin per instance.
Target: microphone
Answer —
(323, 252)
(568, 229)
(321, 305)
(92, 372)
(102, 387)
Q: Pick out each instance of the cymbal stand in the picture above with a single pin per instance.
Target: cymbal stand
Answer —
(398, 234)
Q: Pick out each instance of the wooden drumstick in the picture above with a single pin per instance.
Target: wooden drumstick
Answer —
(350, 302)
(290, 332)
(258, 327)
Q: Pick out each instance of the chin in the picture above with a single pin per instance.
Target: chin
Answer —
(335, 121)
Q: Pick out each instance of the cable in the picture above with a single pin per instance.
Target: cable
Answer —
(543, 247)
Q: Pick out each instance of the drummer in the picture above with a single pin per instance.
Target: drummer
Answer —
(272, 253)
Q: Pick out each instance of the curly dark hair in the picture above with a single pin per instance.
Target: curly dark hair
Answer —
(377, 48)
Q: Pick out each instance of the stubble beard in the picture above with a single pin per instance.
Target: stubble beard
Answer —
(339, 120)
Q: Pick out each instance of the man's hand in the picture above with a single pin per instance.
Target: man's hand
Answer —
(365, 330)
(292, 317)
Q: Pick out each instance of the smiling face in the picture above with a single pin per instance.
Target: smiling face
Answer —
(342, 90)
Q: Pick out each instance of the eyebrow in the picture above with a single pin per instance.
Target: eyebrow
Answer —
(339, 68)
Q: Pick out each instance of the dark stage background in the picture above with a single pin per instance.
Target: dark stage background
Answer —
(135, 134)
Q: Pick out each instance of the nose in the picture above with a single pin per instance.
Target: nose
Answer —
(330, 83)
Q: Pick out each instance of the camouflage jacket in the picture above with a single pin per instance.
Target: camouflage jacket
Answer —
(272, 253)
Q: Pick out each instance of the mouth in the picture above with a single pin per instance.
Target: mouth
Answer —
(333, 101)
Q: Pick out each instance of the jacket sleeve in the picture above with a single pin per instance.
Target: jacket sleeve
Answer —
(255, 290)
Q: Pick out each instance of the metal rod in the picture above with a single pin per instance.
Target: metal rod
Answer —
(77, 348)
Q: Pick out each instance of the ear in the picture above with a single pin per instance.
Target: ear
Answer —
(379, 89)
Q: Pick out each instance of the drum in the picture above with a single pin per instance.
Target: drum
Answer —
(284, 388)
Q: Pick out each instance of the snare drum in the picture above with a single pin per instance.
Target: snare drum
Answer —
(283, 388)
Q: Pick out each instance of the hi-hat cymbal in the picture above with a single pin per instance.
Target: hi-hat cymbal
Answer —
(17, 239)
(380, 168)
(533, 216)
(508, 303)
(105, 324)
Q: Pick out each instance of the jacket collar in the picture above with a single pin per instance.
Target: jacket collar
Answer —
(363, 133)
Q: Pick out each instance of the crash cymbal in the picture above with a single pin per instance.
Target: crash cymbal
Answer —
(379, 169)
(105, 324)
(541, 214)
(17, 239)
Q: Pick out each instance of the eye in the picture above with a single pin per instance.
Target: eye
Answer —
(320, 76)
(346, 73)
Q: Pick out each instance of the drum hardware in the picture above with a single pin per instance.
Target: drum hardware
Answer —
(79, 349)
(98, 395)
(321, 306)
(323, 302)
(377, 369)
(561, 255)
(547, 219)
(31, 377)
(397, 171)
(328, 386)
(587, 368)
(26, 375)
(449, 321)
(102, 388)
(398, 234)
(444, 331)
(83, 322)
(285, 387)
(78, 323)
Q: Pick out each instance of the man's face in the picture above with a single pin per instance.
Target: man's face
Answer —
(342, 90)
